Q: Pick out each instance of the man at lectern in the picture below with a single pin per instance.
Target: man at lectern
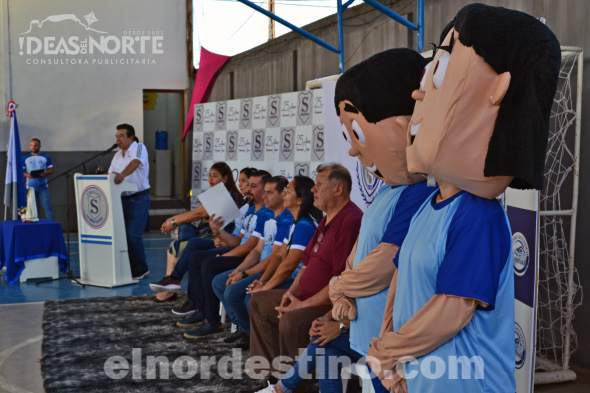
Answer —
(131, 163)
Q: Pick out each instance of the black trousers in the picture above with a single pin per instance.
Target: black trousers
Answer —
(200, 289)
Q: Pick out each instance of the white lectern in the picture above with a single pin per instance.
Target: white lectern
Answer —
(104, 259)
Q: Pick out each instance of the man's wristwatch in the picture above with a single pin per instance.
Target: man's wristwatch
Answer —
(244, 275)
(174, 224)
(343, 328)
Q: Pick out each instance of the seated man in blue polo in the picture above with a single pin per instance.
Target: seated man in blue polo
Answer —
(230, 286)
(203, 266)
(276, 271)
(224, 243)
(37, 167)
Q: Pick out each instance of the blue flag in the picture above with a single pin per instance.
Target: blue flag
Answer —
(15, 192)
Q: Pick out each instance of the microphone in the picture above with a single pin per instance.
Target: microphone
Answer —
(110, 149)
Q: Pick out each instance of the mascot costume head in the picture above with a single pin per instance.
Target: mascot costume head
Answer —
(374, 102)
(481, 119)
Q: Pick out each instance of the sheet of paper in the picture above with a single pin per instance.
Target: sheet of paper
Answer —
(218, 201)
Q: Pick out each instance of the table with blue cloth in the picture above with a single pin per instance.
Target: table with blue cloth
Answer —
(22, 241)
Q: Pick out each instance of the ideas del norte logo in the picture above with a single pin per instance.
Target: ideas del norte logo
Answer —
(84, 44)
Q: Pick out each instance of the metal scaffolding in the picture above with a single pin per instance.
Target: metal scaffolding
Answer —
(340, 10)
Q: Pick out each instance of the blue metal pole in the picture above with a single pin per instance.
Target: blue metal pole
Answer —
(340, 36)
(347, 4)
(420, 26)
(291, 26)
(391, 14)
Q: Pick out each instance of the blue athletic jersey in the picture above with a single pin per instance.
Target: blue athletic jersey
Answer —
(385, 221)
(239, 222)
(33, 162)
(271, 230)
(246, 219)
(461, 246)
(299, 236)
(283, 231)
(254, 222)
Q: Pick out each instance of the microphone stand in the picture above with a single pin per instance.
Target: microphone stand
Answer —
(69, 274)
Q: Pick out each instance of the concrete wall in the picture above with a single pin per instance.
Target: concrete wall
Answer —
(269, 69)
(70, 94)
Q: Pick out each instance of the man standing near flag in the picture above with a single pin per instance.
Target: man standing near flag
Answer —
(37, 167)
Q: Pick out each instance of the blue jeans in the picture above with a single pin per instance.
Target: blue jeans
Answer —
(42, 196)
(194, 244)
(377, 384)
(136, 211)
(330, 359)
(234, 298)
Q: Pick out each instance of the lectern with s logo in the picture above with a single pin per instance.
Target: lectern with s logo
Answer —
(104, 258)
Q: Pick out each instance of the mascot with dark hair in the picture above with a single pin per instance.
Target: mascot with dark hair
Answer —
(480, 124)
(374, 102)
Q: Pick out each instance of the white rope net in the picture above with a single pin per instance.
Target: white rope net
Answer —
(558, 279)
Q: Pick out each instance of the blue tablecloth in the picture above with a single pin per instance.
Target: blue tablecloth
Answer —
(23, 241)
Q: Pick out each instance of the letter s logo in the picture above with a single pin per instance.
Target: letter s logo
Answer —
(320, 140)
(94, 206)
(246, 111)
(258, 142)
(287, 143)
(232, 143)
(305, 104)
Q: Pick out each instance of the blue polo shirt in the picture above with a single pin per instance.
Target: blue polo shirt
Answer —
(254, 222)
(271, 227)
(299, 236)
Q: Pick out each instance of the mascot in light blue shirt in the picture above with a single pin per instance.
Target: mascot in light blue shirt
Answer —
(480, 125)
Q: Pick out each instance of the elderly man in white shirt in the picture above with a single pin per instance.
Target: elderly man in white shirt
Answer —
(131, 163)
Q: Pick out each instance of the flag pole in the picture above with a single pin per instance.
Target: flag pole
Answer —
(14, 184)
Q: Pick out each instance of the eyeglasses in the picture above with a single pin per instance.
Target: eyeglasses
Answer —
(318, 242)
(287, 190)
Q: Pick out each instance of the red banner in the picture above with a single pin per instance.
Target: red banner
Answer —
(209, 67)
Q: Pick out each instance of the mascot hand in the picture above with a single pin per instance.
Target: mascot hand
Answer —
(344, 308)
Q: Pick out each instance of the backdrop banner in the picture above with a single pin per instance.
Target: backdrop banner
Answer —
(283, 134)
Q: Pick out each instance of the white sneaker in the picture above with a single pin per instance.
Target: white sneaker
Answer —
(139, 276)
(269, 389)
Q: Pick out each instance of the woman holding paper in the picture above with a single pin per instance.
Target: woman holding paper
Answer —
(219, 172)
(243, 186)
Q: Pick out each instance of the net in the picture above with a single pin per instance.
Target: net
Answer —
(559, 291)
